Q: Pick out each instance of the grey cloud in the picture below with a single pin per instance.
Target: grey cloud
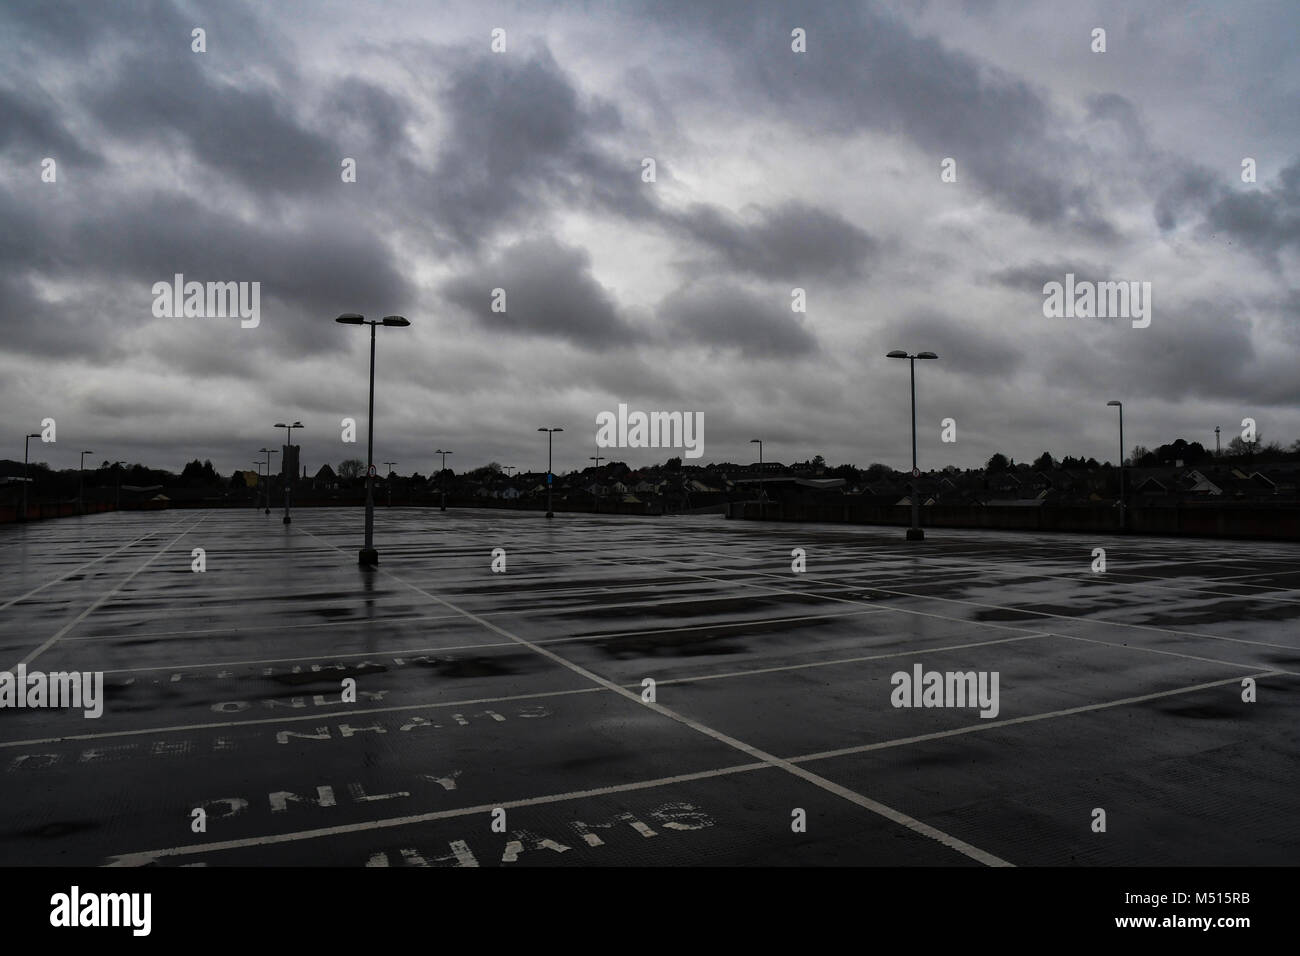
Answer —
(965, 346)
(723, 315)
(1264, 220)
(550, 293)
(1032, 276)
(792, 241)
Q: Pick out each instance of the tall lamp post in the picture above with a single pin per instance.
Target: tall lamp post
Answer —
(762, 497)
(26, 441)
(1217, 452)
(914, 533)
(268, 452)
(288, 478)
(368, 556)
(550, 478)
(81, 482)
(442, 482)
(1120, 405)
(388, 480)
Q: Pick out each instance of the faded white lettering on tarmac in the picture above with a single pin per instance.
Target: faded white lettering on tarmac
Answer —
(669, 816)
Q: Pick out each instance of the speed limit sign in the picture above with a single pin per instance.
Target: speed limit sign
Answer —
(916, 472)
(373, 471)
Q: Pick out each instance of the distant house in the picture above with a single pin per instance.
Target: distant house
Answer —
(1195, 483)
(325, 479)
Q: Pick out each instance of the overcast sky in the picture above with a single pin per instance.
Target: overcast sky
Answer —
(523, 170)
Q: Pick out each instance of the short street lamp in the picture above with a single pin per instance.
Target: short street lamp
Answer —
(369, 557)
(26, 441)
(442, 481)
(268, 452)
(550, 478)
(288, 478)
(1120, 406)
(914, 533)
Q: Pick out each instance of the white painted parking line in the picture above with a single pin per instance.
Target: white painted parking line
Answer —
(402, 651)
(889, 813)
(102, 598)
(78, 570)
(397, 708)
(985, 725)
(150, 856)
(146, 857)
(998, 607)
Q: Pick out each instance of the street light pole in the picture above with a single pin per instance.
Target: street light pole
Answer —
(369, 557)
(550, 478)
(268, 452)
(442, 482)
(914, 533)
(1120, 405)
(81, 483)
(388, 480)
(289, 478)
(26, 441)
(762, 496)
(1217, 452)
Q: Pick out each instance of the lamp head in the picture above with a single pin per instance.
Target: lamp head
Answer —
(351, 318)
(897, 353)
(926, 355)
(396, 320)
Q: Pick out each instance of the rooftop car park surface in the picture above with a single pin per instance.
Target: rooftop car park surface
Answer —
(524, 691)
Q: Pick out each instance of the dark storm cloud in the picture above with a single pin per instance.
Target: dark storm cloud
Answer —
(30, 130)
(966, 346)
(723, 315)
(1201, 350)
(306, 270)
(1189, 189)
(246, 133)
(1032, 276)
(550, 293)
(361, 111)
(1265, 220)
(867, 71)
(791, 241)
(522, 140)
(526, 142)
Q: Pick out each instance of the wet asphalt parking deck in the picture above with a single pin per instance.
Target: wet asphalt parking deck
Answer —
(523, 690)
